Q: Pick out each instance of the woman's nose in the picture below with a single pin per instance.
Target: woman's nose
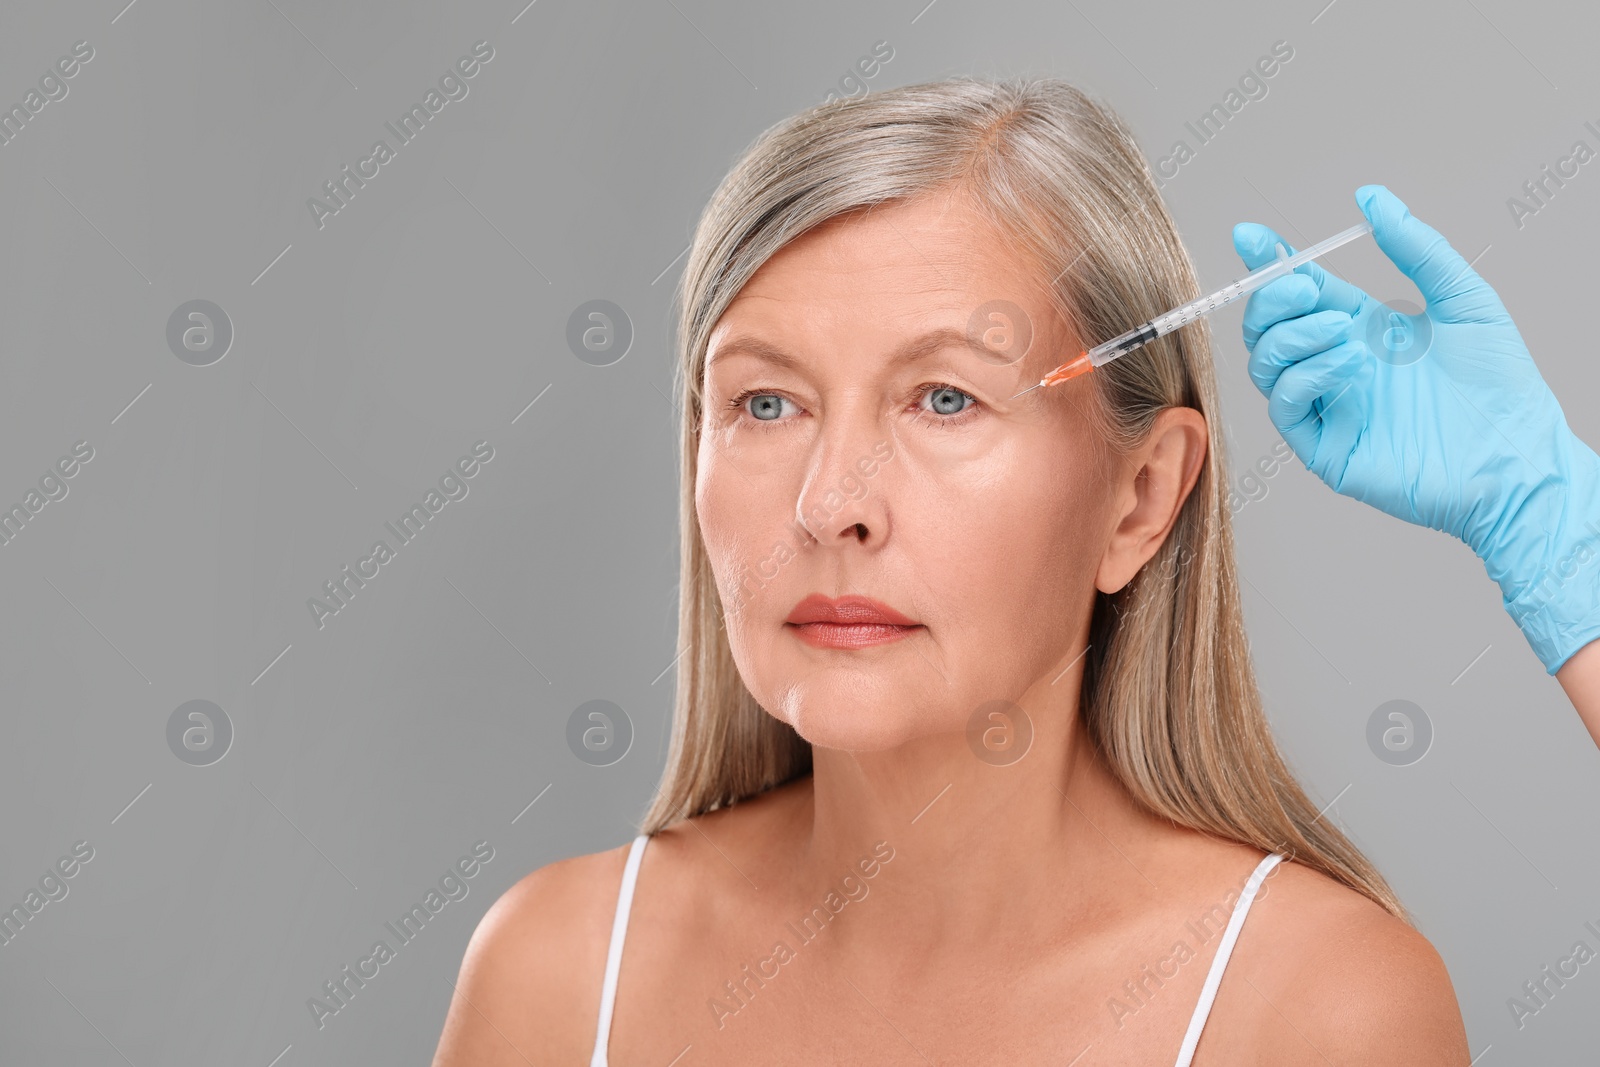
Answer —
(844, 495)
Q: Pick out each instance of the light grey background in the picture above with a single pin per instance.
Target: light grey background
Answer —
(373, 352)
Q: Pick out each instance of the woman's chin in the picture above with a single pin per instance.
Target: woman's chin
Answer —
(853, 726)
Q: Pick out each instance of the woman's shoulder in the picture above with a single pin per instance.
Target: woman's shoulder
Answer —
(533, 971)
(529, 987)
(1321, 972)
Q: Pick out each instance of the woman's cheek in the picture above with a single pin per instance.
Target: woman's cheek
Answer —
(960, 460)
(716, 508)
(761, 453)
(740, 529)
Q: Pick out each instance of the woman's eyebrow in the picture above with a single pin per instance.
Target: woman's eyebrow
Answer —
(914, 349)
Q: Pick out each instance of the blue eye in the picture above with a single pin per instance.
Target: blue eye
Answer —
(944, 396)
(767, 407)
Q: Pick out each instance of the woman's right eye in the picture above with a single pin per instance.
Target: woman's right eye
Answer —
(768, 406)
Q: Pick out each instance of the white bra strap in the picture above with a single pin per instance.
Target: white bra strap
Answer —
(1241, 908)
(619, 931)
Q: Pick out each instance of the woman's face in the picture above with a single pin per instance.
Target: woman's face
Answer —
(840, 457)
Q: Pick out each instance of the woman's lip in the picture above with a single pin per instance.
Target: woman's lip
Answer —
(849, 610)
(849, 635)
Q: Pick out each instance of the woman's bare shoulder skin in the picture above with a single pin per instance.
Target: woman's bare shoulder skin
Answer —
(530, 983)
(1321, 974)
(529, 988)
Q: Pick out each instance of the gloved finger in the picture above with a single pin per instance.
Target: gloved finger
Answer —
(1454, 291)
(1292, 407)
(1283, 298)
(1292, 341)
(1257, 246)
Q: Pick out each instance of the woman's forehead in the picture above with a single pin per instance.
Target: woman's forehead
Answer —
(880, 268)
(927, 238)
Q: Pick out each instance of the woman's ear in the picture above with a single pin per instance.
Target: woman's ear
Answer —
(1153, 482)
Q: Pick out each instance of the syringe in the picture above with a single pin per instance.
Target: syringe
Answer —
(1178, 317)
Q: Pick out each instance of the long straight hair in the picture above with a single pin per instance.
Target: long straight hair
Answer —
(1168, 694)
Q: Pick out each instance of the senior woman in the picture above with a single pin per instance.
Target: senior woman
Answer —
(968, 761)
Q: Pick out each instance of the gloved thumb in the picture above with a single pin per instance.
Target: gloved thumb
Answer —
(1453, 290)
(1255, 244)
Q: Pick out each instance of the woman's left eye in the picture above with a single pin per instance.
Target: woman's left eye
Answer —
(947, 400)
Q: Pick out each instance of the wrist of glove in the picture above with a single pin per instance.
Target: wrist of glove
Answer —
(1544, 553)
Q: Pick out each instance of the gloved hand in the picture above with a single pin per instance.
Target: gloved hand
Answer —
(1440, 419)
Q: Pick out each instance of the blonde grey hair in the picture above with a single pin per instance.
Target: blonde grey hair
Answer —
(1169, 694)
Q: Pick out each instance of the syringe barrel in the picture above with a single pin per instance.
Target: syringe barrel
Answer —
(1182, 316)
(1177, 318)
(1107, 351)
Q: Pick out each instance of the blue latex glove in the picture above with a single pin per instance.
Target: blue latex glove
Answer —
(1440, 419)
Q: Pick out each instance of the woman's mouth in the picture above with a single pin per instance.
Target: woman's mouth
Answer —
(848, 622)
(849, 634)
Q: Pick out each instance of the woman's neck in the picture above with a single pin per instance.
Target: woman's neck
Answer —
(985, 857)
